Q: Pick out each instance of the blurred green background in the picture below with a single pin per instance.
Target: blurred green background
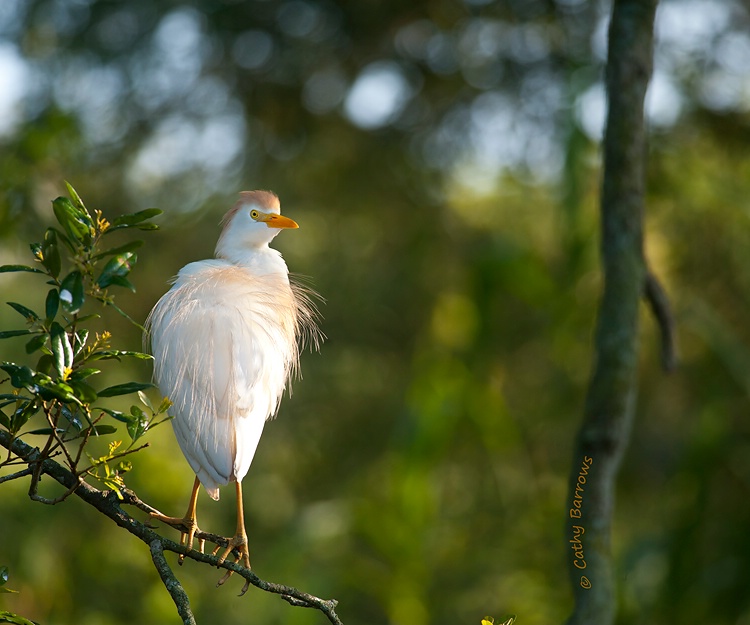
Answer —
(442, 160)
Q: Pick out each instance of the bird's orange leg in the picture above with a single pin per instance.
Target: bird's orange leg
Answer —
(238, 541)
(188, 525)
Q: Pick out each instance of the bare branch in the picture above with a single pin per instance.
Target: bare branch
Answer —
(658, 301)
(171, 583)
(16, 475)
(108, 503)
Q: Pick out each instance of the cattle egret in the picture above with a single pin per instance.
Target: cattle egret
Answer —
(226, 339)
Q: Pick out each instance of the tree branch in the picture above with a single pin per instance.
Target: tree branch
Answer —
(610, 401)
(108, 503)
(171, 583)
(658, 301)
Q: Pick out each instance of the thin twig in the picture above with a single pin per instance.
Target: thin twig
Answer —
(35, 496)
(171, 583)
(110, 459)
(16, 475)
(658, 301)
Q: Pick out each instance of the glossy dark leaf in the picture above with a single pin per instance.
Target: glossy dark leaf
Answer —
(124, 389)
(76, 198)
(136, 220)
(46, 431)
(49, 389)
(12, 268)
(52, 304)
(36, 343)
(83, 391)
(128, 247)
(50, 253)
(22, 414)
(116, 269)
(75, 221)
(4, 420)
(82, 374)
(71, 292)
(72, 417)
(27, 313)
(6, 334)
(79, 341)
(116, 414)
(20, 376)
(46, 363)
(123, 282)
(87, 317)
(100, 430)
(108, 354)
(62, 352)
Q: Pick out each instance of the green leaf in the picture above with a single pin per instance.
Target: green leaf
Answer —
(82, 374)
(72, 418)
(52, 304)
(48, 389)
(62, 352)
(3, 575)
(36, 343)
(75, 221)
(4, 420)
(49, 254)
(138, 423)
(76, 198)
(62, 237)
(79, 340)
(9, 617)
(6, 334)
(46, 363)
(145, 400)
(71, 292)
(116, 414)
(165, 405)
(46, 431)
(116, 269)
(99, 430)
(128, 247)
(29, 314)
(20, 376)
(124, 389)
(123, 282)
(87, 317)
(108, 354)
(83, 391)
(22, 414)
(11, 268)
(136, 220)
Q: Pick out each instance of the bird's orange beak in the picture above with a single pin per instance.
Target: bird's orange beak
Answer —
(273, 220)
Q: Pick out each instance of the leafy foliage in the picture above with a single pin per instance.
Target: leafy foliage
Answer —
(59, 388)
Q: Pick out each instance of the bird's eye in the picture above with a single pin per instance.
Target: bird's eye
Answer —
(254, 214)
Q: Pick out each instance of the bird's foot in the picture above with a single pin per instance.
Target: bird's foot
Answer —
(238, 542)
(188, 527)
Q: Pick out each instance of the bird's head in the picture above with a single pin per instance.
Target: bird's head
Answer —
(252, 222)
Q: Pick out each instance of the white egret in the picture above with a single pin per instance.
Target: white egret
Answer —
(226, 339)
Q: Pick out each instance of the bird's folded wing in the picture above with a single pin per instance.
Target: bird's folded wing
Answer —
(221, 361)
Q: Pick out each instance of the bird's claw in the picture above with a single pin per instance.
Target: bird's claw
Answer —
(239, 542)
(188, 527)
